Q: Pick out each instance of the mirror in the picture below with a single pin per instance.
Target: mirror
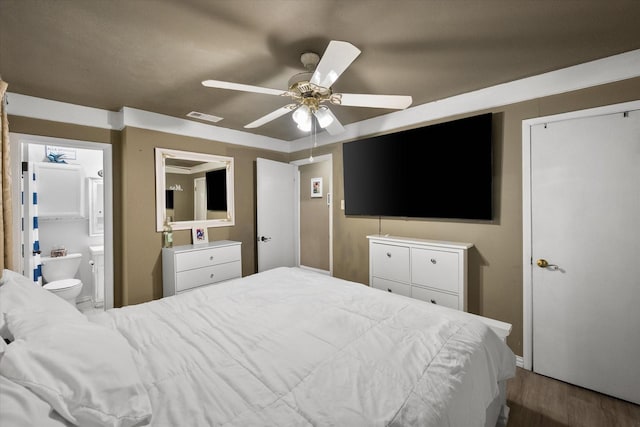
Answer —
(193, 189)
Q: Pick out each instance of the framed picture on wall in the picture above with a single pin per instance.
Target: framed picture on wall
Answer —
(199, 235)
(316, 187)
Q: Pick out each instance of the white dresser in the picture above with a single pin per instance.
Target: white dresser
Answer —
(191, 266)
(429, 270)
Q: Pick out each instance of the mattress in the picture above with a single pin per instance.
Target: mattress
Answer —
(297, 348)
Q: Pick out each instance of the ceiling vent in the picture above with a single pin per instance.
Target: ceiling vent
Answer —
(203, 116)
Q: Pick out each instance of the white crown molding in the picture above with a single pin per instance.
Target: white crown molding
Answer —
(46, 109)
(606, 70)
(159, 122)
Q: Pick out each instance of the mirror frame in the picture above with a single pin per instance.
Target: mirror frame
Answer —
(165, 153)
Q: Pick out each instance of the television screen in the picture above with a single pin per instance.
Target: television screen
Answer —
(437, 171)
(216, 190)
(168, 199)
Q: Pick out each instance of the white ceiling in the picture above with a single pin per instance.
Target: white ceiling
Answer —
(152, 54)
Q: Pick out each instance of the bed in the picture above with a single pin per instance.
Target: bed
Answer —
(286, 347)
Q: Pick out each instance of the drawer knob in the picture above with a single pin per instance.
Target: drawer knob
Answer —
(433, 261)
(211, 276)
(433, 301)
(211, 258)
(389, 290)
(388, 254)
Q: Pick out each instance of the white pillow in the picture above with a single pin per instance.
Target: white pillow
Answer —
(17, 293)
(21, 407)
(85, 371)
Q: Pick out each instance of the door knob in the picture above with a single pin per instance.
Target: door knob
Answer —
(264, 239)
(543, 263)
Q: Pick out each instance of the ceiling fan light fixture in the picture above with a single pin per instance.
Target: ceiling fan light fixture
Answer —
(323, 116)
(302, 115)
(305, 126)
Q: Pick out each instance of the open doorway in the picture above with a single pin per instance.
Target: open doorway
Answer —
(85, 228)
(285, 229)
(315, 214)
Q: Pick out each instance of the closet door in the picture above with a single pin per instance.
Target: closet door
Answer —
(585, 211)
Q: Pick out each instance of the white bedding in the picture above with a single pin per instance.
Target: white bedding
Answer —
(289, 347)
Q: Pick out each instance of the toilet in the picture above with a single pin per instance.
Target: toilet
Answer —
(59, 273)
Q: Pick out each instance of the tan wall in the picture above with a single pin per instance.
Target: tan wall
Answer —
(142, 245)
(314, 217)
(495, 262)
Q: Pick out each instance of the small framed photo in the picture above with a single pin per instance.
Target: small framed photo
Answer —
(199, 235)
(316, 187)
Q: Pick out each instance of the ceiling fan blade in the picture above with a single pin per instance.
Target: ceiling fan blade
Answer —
(271, 116)
(245, 88)
(334, 127)
(398, 102)
(336, 58)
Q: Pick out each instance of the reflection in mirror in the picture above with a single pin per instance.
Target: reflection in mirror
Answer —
(193, 189)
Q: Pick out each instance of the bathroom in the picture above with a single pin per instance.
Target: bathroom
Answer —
(70, 216)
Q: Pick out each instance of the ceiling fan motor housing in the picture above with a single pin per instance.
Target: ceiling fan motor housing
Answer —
(300, 82)
(301, 88)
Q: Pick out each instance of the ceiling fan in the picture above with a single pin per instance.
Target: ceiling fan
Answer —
(311, 90)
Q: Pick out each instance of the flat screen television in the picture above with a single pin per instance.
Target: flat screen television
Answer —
(438, 171)
(216, 190)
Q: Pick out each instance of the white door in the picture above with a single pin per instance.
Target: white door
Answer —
(276, 224)
(200, 199)
(585, 220)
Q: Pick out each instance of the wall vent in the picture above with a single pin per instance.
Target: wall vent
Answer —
(203, 116)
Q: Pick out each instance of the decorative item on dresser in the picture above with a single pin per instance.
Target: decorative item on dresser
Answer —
(191, 266)
(429, 270)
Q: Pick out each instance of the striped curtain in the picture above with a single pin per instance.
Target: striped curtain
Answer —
(6, 249)
(31, 242)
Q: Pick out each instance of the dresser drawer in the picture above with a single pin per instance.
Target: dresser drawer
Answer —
(390, 262)
(390, 286)
(435, 297)
(207, 257)
(207, 275)
(435, 269)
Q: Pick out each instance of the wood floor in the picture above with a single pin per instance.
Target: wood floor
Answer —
(539, 401)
